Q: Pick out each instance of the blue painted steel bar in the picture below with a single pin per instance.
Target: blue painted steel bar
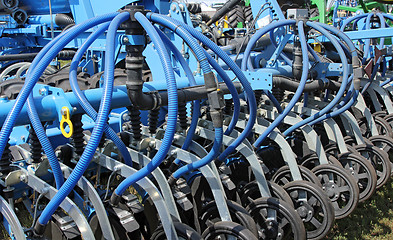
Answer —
(47, 105)
(372, 33)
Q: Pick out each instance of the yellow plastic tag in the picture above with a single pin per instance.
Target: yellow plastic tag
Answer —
(66, 119)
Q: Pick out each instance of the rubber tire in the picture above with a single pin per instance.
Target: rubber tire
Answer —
(283, 209)
(382, 165)
(311, 161)
(251, 192)
(284, 171)
(340, 176)
(385, 144)
(229, 228)
(360, 165)
(248, 17)
(321, 198)
(235, 16)
(183, 232)
(238, 215)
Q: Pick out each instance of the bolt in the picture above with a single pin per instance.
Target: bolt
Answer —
(126, 117)
(23, 178)
(63, 112)
(270, 224)
(21, 164)
(58, 153)
(173, 152)
(42, 91)
(181, 6)
(309, 212)
(173, 7)
(126, 40)
(74, 109)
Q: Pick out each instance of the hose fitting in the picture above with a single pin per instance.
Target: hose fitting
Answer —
(35, 146)
(77, 136)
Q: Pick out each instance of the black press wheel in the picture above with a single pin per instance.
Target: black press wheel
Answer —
(251, 192)
(284, 176)
(313, 207)
(385, 144)
(363, 172)
(239, 215)
(224, 230)
(379, 160)
(341, 188)
(286, 225)
(311, 161)
(183, 231)
(383, 127)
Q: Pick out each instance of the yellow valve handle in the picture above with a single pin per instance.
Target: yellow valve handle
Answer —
(65, 112)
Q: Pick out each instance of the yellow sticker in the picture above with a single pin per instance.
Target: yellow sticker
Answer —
(66, 119)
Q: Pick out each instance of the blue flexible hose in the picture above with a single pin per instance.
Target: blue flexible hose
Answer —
(298, 92)
(386, 82)
(258, 35)
(238, 72)
(343, 37)
(351, 19)
(218, 132)
(282, 54)
(368, 41)
(46, 55)
(98, 130)
(201, 57)
(83, 100)
(172, 107)
(191, 80)
(45, 143)
(272, 98)
(344, 105)
(232, 90)
(340, 92)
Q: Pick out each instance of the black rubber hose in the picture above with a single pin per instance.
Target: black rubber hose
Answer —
(223, 10)
(292, 85)
(64, 55)
(63, 20)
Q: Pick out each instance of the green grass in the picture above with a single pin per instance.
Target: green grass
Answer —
(372, 219)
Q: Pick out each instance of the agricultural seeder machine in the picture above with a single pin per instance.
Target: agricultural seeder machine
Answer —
(153, 119)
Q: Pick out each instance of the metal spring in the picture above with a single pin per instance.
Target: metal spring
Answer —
(258, 96)
(5, 161)
(278, 94)
(228, 106)
(77, 137)
(35, 146)
(153, 120)
(135, 122)
(183, 116)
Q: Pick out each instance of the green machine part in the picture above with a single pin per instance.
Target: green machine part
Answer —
(365, 6)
